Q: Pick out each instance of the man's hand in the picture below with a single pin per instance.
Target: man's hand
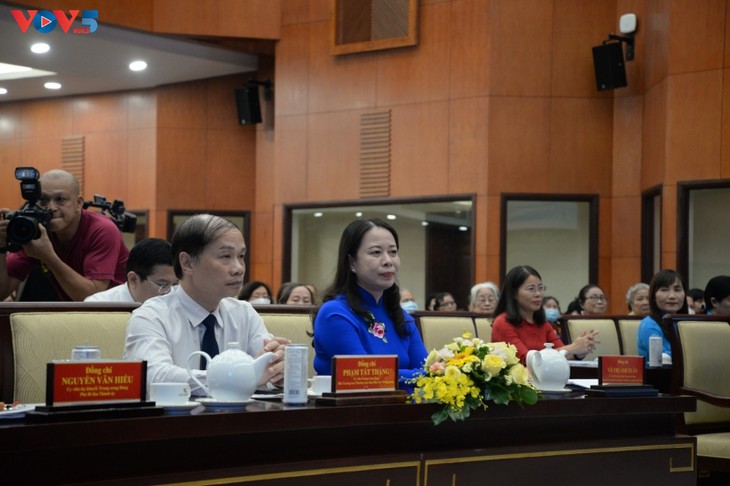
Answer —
(41, 248)
(3, 227)
(275, 371)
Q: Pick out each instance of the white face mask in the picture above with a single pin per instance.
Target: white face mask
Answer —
(259, 301)
(552, 314)
(409, 306)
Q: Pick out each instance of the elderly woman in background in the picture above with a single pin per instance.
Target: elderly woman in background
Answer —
(361, 311)
(591, 301)
(483, 298)
(637, 300)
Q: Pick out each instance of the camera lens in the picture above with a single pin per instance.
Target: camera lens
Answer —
(22, 229)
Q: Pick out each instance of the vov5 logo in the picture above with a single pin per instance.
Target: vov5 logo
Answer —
(45, 21)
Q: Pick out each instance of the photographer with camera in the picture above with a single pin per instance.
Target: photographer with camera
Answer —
(55, 248)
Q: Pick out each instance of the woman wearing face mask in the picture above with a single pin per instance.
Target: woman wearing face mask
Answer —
(407, 301)
(666, 296)
(521, 318)
(255, 292)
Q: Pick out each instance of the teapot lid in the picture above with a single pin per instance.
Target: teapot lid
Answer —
(549, 345)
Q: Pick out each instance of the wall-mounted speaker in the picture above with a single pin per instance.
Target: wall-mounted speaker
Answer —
(248, 105)
(608, 61)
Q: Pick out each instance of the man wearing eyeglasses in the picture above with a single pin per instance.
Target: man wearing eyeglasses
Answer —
(149, 274)
(79, 253)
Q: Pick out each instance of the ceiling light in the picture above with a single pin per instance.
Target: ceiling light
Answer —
(424, 223)
(3, 91)
(463, 228)
(52, 85)
(318, 214)
(391, 216)
(358, 214)
(137, 65)
(40, 48)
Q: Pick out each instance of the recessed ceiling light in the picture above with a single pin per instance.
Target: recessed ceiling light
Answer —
(40, 47)
(463, 228)
(391, 216)
(318, 214)
(358, 214)
(137, 65)
(3, 91)
(52, 85)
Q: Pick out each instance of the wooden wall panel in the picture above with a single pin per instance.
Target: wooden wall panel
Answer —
(519, 144)
(725, 128)
(10, 121)
(100, 113)
(693, 126)
(337, 82)
(291, 160)
(255, 19)
(230, 169)
(634, 69)
(417, 74)
(654, 133)
(130, 13)
(468, 145)
(656, 34)
(105, 165)
(624, 274)
(469, 65)
(576, 24)
(182, 105)
(521, 47)
(420, 150)
(142, 170)
(627, 124)
(697, 35)
(581, 144)
(627, 214)
(46, 118)
(333, 168)
(142, 109)
(292, 71)
(181, 168)
(220, 102)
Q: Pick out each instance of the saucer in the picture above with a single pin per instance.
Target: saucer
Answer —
(555, 392)
(18, 411)
(182, 407)
(213, 404)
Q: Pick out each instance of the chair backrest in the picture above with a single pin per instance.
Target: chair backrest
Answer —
(295, 327)
(44, 336)
(484, 328)
(629, 329)
(437, 331)
(608, 335)
(703, 349)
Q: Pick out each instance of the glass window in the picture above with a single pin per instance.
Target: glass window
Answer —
(436, 243)
(555, 235)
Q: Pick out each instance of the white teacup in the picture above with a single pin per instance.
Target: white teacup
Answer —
(321, 384)
(170, 393)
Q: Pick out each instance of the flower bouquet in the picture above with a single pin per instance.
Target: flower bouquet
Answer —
(467, 373)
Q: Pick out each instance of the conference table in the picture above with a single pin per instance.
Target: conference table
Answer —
(570, 439)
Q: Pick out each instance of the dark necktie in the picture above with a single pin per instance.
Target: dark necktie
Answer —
(209, 344)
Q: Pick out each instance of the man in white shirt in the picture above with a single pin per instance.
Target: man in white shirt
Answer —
(149, 274)
(208, 258)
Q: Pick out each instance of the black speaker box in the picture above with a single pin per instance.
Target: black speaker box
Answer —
(248, 105)
(608, 61)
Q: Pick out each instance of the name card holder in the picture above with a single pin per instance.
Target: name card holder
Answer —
(364, 380)
(77, 390)
(621, 376)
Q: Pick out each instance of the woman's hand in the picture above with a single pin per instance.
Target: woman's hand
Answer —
(584, 344)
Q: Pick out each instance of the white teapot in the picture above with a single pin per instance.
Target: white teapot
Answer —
(232, 375)
(548, 368)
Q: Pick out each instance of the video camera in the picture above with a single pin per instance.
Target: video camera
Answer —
(23, 225)
(126, 222)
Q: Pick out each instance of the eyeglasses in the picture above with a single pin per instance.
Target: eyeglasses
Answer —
(486, 300)
(597, 298)
(536, 289)
(163, 288)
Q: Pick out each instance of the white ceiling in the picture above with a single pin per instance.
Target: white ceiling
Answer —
(98, 62)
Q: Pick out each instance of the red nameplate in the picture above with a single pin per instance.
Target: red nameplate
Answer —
(621, 370)
(364, 373)
(77, 382)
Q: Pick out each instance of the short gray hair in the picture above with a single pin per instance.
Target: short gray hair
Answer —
(632, 292)
(480, 286)
(194, 235)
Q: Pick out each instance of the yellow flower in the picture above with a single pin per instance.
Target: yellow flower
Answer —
(518, 374)
(493, 364)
